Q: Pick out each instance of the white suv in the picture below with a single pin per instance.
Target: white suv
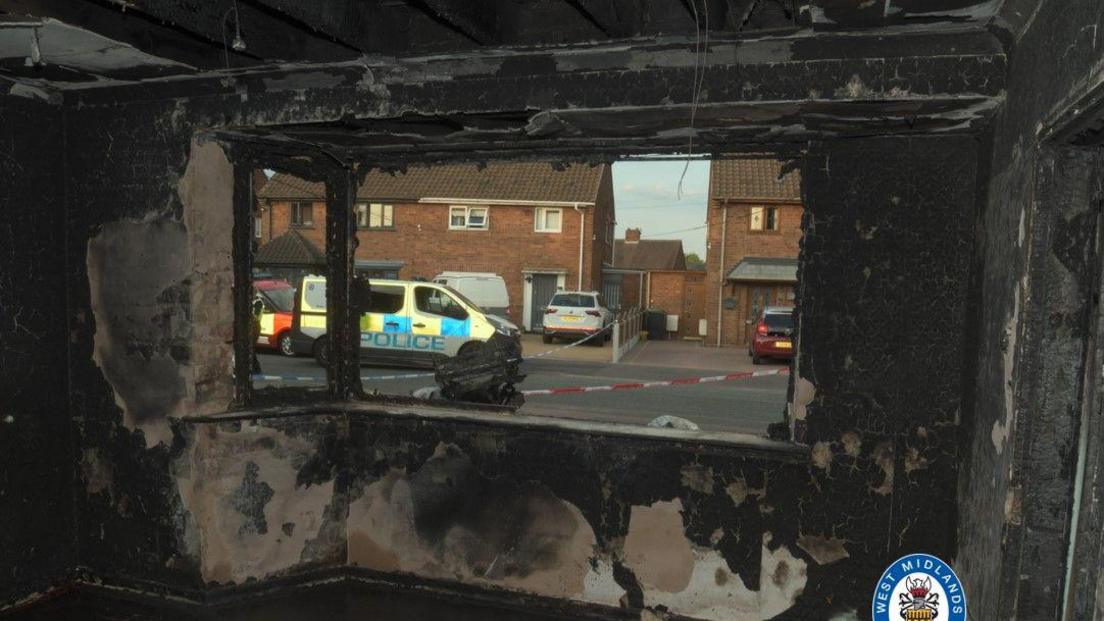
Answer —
(577, 314)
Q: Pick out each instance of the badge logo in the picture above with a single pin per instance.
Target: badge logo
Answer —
(919, 587)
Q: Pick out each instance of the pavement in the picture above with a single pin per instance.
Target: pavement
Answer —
(684, 354)
(744, 406)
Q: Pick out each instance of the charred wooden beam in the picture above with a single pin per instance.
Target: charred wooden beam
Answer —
(615, 19)
(475, 20)
(242, 252)
(737, 13)
(366, 26)
(265, 35)
(342, 318)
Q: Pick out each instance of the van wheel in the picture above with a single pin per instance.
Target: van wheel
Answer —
(322, 351)
(285, 344)
(546, 339)
(469, 349)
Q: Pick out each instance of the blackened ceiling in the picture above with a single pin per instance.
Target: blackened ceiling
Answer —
(81, 43)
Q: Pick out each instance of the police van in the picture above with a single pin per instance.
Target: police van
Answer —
(407, 323)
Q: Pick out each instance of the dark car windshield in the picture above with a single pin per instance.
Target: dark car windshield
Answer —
(577, 300)
(779, 321)
(282, 299)
(463, 298)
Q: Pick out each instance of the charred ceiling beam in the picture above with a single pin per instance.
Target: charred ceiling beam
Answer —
(737, 13)
(139, 31)
(264, 34)
(720, 15)
(616, 19)
(362, 25)
(847, 69)
(475, 20)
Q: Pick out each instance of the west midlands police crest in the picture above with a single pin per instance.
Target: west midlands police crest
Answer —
(919, 587)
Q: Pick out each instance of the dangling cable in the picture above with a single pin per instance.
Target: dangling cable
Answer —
(700, 58)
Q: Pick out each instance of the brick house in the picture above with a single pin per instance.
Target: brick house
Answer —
(754, 231)
(538, 227)
(657, 267)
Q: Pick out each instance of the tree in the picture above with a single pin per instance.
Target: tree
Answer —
(694, 262)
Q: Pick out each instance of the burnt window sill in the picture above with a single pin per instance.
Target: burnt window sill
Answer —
(490, 417)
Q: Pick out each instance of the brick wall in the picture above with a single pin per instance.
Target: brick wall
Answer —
(679, 293)
(422, 239)
(740, 242)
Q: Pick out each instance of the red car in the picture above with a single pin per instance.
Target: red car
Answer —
(773, 336)
(277, 298)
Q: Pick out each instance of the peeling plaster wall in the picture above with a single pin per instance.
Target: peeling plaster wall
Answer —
(36, 456)
(1017, 472)
(150, 327)
(455, 502)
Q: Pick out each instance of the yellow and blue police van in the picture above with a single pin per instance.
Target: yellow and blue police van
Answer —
(408, 323)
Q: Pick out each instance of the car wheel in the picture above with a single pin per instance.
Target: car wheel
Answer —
(598, 341)
(546, 338)
(755, 359)
(470, 349)
(285, 344)
(322, 351)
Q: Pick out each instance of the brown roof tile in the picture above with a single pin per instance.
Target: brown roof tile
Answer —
(522, 181)
(649, 254)
(291, 248)
(753, 179)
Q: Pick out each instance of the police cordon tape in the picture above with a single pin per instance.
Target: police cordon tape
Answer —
(687, 381)
(261, 377)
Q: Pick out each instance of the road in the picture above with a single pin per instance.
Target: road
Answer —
(745, 406)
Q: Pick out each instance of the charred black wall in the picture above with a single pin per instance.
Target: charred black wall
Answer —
(1035, 232)
(177, 506)
(884, 302)
(36, 462)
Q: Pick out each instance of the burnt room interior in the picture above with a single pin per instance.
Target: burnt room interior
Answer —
(945, 397)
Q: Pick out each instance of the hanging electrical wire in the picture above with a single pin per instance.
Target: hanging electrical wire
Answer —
(701, 54)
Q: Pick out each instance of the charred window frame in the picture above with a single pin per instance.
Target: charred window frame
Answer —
(341, 180)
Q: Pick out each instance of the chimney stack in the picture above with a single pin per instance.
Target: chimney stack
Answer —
(632, 235)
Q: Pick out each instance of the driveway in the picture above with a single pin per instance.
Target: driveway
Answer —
(693, 355)
(532, 346)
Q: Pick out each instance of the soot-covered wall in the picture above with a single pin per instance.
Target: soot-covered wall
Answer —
(36, 460)
(1037, 226)
(709, 531)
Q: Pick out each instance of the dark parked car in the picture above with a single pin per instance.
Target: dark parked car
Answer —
(773, 335)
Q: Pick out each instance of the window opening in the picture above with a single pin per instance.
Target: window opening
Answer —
(549, 220)
(471, 218)
(620, 276)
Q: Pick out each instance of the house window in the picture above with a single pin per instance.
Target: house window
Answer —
(764, 218)
(472, 218)
(302, 214)
(375, 216)
(257, 227)
(549, 220)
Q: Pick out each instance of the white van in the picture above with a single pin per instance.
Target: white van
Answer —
(487, 290)
(407, 322)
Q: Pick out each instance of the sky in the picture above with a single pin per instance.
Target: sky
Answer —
(646, 197)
